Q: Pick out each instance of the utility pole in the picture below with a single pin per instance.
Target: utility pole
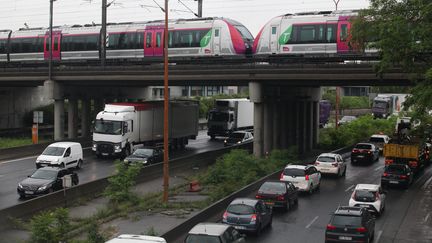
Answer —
(336, 2)
(200, 2)
(50, 39)
(166, 106)
(337, 107)
(103, 32)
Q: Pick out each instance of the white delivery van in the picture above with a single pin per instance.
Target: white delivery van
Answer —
(61, 154)
(125, 238)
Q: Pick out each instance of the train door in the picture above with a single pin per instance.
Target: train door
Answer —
(273, 39)
(153, 43)
(158, 43)
(56, 41)
(148, 43)
(216, 41)
(344, 27)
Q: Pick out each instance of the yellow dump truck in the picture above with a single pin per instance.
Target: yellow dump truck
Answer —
(414, 155)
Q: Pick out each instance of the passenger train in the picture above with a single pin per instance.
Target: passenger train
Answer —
(187, 38)
(313, 33)
(324, 33)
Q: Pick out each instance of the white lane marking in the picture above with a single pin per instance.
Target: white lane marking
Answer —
(426, 218)
(310, 224)
(1, 176)
(379, 168)
(378, 236)
(87, 148)
(15, 160)
(426, 184)
(349, 188)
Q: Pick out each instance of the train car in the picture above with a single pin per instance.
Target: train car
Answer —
(4, 42)
(315, 33)
(203, 37)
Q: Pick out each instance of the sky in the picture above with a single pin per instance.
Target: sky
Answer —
(14, 14)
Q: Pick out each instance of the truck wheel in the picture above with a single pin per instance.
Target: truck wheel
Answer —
(126, 151)
(212, 137)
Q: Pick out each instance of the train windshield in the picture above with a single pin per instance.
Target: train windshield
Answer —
(380, 104)
(218, 116)
(108, 127)
(244, 32)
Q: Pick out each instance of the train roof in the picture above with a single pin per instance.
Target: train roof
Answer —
(322, 13)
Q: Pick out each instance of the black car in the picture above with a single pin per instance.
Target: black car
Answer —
(350, 224)
(238, 137)
(145, 156)
(281, 194)
(45, 180)
(248, 215)
(364, 152)
(398, 175)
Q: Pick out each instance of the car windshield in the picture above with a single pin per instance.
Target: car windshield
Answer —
(380, 104)
(363, 146)
(294, 172)
(346, 220)
(273, 187)
(108, 127)
(364, 196)
(395, 169)
(53, 151)
(218, 116)
(240, 209)
(326, 159)
(143, 152)
(376, 140)
(237, 135)
(202, 239)
(348, 118)
(44, 174)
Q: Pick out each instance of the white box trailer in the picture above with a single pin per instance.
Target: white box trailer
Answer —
(230, 115)
(122, 125)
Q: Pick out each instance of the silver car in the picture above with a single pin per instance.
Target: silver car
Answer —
(214, 233)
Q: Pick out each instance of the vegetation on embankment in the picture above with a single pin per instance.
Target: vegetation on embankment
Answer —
(14, 142)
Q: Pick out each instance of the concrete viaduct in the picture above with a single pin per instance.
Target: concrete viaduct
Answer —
(286, 96)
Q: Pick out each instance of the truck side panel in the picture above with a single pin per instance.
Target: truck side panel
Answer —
(401, 151)
(147, 130)
(245, 113)
(184, 119)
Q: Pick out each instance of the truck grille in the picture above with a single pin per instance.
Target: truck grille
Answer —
(105, 148)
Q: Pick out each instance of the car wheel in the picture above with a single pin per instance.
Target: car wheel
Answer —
(318, 186)
(212, 137)
(38, 166)
(79, 164)
(21, 196)
(311, 189)
(296, 201)
(62, 165)
(344, 173)
(271, 222)
(287, 206)
(258, 230)
(50, 190)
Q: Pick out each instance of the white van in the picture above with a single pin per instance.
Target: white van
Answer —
(61, 154)
(125, 238)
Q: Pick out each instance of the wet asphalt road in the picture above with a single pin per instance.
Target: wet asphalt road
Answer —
(13, 171)
(307, 222)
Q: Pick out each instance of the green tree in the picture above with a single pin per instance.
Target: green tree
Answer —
(400, 30)
(50, 226)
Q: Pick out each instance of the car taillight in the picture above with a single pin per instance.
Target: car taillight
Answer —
(253, 218)
(353, 195)
(225, 215)
(317, 163)
(369, 152)
(307, 177)
(388, 161)
(280, 198)
(361, 230)
(331, 227)
(281, 176)
(403, 177)
(355, 151)
(258, 196)
(412, 163)
(385, 174)
(335, 164)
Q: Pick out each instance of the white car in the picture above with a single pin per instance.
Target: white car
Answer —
(369, 196)
(125, 238)
(61, 154)
(379, 140)
(330, 163)
(304, 177)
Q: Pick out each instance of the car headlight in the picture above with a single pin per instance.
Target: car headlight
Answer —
(38, 161)
(145, 161)
(126, 161)
(42, 188)
(117, 146)
(94, 145)
(225, 141)
(239, 142)
(20, 186)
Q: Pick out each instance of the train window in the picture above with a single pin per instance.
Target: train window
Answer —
(149, 38)
(216, 32)
(331, 33)
(321, 33)
(27, 45)
(273, 30)
(186, 38)
(158, 39)
(343, 32)
(244, 32)
(3, 43)
(80, 43)
(307, 33)
(56, 43)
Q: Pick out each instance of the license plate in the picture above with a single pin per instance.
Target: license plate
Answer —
(394, 182)
(364, 206)
(360, 156)
(269, 203)
(104, 154)
(240, 227)
(29, 192)
(345, 238)
(324, 169)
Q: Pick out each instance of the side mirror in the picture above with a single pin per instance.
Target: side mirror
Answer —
(28, 176)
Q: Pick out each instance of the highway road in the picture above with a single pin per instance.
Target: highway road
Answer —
(13, 171)
(307, 222)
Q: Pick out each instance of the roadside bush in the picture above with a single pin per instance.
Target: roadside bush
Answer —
(355, 131)
(348, 102)
(50, 226)
(121, 183)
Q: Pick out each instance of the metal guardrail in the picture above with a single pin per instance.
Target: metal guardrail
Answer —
(71, 195)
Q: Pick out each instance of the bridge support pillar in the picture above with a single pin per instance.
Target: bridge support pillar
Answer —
(256, 96)
(59, 119)
(315, 128)
(98, 106)
(268, 127)
(309, 125)
(85, 117)
(301, 126)
(276, 125)
(72, 118)
(284, 127)
(291, 123)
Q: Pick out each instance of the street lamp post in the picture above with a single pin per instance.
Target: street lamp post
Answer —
(166, 105)
(50, 39)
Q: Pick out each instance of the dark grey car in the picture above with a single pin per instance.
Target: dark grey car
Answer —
(248, 215)
(145, 156)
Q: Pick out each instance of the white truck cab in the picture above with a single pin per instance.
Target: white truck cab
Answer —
(61, 154)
